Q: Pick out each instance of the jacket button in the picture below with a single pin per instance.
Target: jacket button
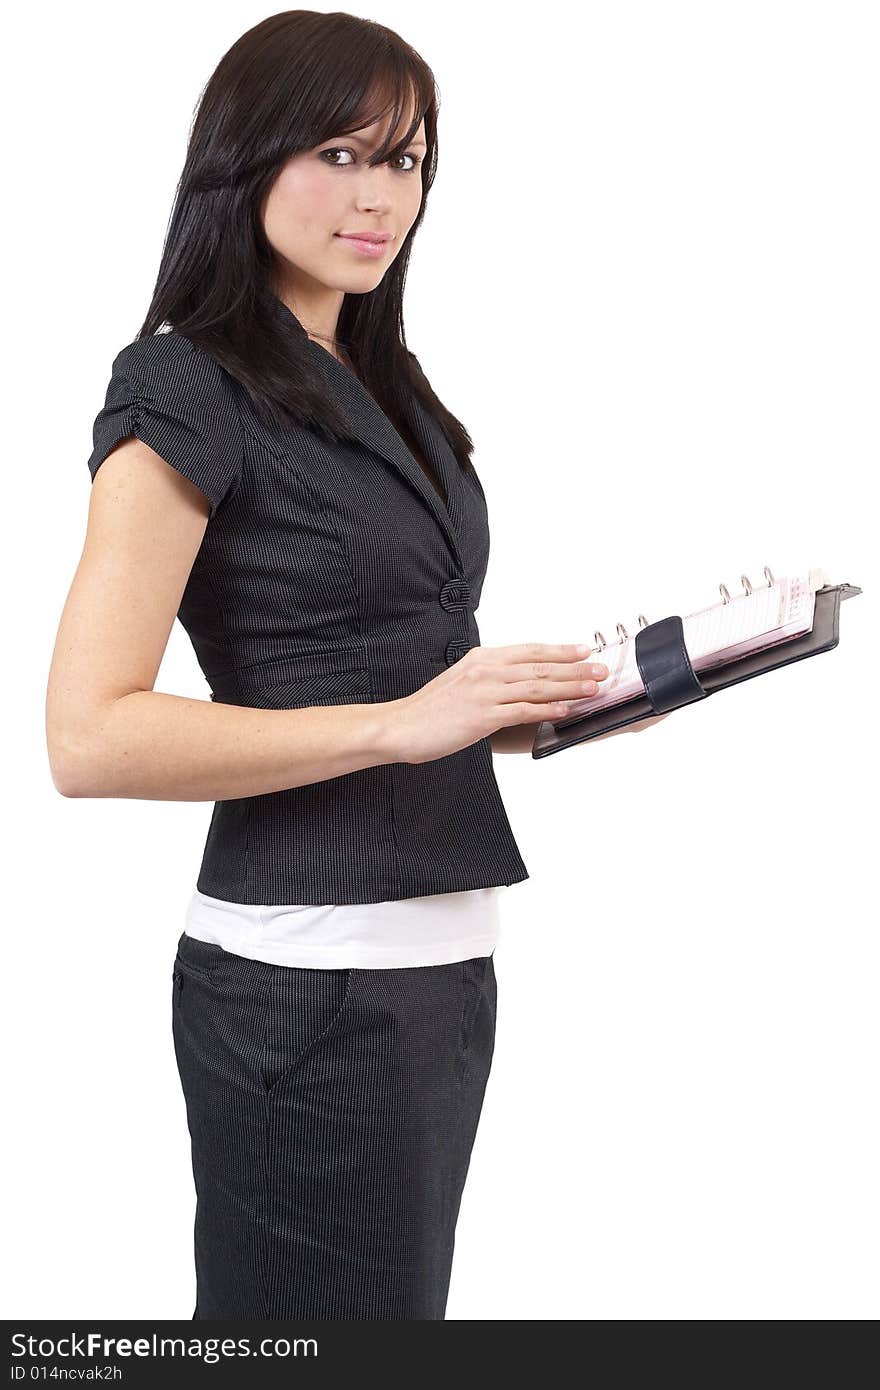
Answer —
(455, 651)
(454, 595)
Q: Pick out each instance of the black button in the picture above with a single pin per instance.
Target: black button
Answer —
(455, 651)
(454, 595)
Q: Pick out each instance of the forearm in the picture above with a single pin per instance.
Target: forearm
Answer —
(152, 746)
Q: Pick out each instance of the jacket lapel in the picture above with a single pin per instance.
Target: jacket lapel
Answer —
(371, 427)
(437, 449)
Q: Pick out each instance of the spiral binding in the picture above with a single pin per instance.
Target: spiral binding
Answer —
(599, 643)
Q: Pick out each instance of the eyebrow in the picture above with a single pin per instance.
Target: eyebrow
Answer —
(361, 141)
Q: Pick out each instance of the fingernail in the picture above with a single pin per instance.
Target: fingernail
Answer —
(582, 648)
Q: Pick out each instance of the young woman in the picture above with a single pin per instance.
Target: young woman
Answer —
(277, 471)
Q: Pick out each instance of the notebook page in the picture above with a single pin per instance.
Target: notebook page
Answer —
(713, 636)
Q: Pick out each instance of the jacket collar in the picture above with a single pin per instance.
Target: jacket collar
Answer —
(370, 426)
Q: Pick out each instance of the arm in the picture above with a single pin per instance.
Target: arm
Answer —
(109, 733)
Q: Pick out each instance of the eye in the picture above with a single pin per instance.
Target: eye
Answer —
(336, 151)
(416, 161)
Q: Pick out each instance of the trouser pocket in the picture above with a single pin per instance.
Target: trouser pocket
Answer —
(303, 1007)
(199, 959)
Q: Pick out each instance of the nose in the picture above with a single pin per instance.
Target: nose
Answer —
(374, 192)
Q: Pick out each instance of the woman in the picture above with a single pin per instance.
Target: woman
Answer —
(277, 471)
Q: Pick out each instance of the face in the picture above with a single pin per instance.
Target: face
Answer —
(321, 199)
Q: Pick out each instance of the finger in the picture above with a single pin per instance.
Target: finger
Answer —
(525, 712)
(556, 670)
(539, 690)
(543, 651)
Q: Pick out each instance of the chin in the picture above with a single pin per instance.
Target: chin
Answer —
(359, 284)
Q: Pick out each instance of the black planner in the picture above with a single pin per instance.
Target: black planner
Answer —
(669, 681)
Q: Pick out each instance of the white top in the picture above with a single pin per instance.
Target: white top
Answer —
(434, 930)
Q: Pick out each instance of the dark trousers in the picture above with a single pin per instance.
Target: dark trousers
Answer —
(332, 1115)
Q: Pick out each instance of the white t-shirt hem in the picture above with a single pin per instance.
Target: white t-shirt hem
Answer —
(438, 929)
(372, 957)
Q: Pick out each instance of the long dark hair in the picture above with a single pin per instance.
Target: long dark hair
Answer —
(289, 83)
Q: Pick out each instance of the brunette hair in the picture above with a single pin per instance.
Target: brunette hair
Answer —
(289, 83)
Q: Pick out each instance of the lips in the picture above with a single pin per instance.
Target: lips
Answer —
(378, 237)
(366, 245)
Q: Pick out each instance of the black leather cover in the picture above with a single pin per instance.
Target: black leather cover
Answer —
(665, 667)
(672, 682)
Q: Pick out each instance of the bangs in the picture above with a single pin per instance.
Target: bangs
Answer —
(391, 85)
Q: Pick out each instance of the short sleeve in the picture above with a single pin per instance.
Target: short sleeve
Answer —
(168, 393)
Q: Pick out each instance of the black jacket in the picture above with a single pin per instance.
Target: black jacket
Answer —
(328, 574)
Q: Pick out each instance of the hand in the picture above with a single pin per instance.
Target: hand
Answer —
(634, 727)
(491, 688)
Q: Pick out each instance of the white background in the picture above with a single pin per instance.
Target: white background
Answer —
(647, 283)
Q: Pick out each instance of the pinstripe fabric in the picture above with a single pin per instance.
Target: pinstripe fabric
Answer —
(332, 1115)
(328, 574)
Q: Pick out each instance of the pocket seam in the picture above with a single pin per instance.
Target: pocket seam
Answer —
(194, 971)
(295, 1065)
(332, 656)
(303, 688)
(198, 972)
(334, 683)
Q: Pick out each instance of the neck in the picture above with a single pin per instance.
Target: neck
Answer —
(317, 309)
